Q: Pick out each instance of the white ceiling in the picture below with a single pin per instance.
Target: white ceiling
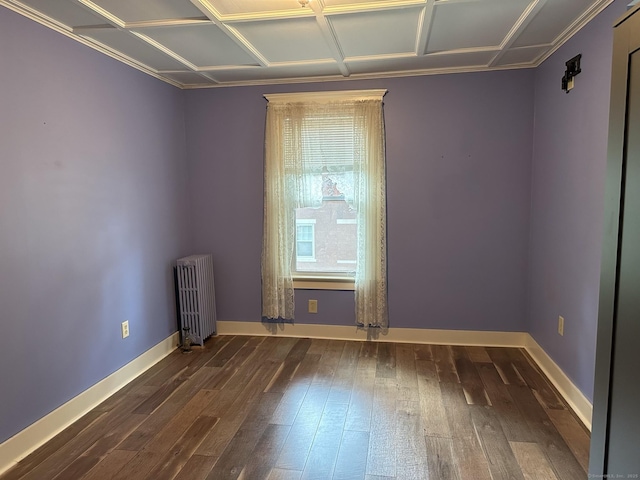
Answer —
(208, 43)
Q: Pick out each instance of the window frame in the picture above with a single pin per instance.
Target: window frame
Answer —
(319, 280)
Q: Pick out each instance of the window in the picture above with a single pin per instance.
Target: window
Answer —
(325, 199)
(305, 241)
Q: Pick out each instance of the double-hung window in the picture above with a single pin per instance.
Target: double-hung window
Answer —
(325, 200)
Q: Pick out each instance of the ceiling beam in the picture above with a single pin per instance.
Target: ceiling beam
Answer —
(523, 22)
(330, 36)
(424, 28)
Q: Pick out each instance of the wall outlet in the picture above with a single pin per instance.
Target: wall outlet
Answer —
(561, 325)
(313, 306)
(125, 329)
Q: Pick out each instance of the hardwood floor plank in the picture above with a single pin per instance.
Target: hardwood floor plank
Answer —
(468, 453)
(344, 377)
(445, 366)
(101, 447)
(138, 467)
(290, 365)
(411, 449)
(291, 402)
(386, 364)
(533, 463)
(181, 451)
(326, 443)
(232, 365)
(502, 462)
(478, 354)
(423, 352)
(406, 373)
(168, 388)
(109, 465)
(361, 401)
(60, 459)
(162, 440)
(237, 453)
(538, 384)
(318, 346)
(574, 434)
(280, 474)
(351, 463)
(234, 414)
(432, 412)
(502, 361)
(227, 352)
(196, 468)
(265, 454)
(472, 385)
(440, 460)
(565, 465)
(298, 444)
(42, 453)
(513, 423)
(381, 459)
(281, 347)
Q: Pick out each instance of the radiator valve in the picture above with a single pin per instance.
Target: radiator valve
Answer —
(186, 340)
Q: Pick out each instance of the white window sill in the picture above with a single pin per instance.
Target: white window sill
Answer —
(325, 282)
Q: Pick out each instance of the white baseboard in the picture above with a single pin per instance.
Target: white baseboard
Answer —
(26, 441)
(572, 395)
(396, 335)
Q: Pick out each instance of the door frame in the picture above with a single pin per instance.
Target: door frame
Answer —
(626, 41)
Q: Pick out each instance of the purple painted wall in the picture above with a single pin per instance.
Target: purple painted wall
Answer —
(458, 176)
(93, 208)
(570, 145)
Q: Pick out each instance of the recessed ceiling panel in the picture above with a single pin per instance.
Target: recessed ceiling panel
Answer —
(147, 10)
(551, 21)
(235, 7)
(521, 55)
(377, 33)
(287, 40)
(472, 25)
(256, 74)
(202, 45)
(133, 47)
(68, 13)
(421, 63)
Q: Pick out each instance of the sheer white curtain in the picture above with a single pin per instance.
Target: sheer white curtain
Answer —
(288, 167)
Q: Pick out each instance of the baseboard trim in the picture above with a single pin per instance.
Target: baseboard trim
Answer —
(396, 335)
(26, 441)
(572, 395)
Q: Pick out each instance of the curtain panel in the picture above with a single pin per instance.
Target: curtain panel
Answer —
(290, 161)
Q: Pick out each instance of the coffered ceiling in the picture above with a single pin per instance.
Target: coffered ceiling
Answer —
(208, 43)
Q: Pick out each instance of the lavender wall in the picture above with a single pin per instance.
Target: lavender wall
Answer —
(93, 204)
(570, 143)
(458, 176)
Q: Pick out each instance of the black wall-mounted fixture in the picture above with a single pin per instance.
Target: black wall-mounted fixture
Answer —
(573, 69)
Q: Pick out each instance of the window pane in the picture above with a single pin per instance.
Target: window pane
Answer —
(329, 238)
(304, 249)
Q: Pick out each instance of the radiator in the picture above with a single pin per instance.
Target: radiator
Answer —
(196, 296)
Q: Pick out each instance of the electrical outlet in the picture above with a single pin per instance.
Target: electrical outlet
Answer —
(125, 329)
(561, 325)
(313, 306)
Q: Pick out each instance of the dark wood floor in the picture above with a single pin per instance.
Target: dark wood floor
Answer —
(284, 408)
